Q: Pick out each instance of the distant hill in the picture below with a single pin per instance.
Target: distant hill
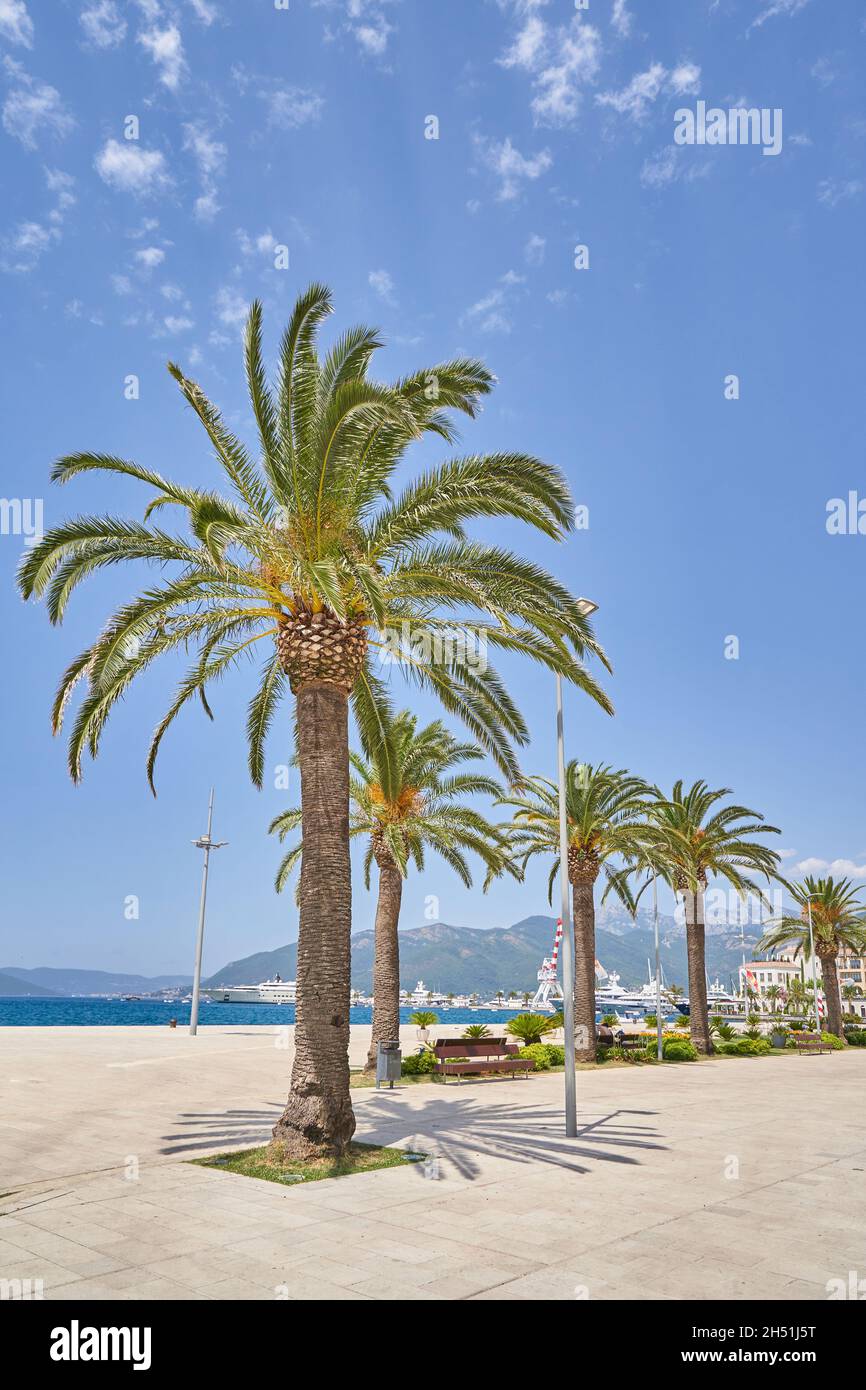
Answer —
(13, 988)
(49, 980)
(466, 959)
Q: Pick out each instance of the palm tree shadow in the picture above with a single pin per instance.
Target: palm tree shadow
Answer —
(465, 1130)
(224, 1129)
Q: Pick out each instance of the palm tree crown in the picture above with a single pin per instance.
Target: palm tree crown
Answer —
(838, 924)
(405, 796)
(605, 815)
(312, 553)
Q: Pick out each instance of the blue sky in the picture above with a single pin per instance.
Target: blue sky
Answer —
(306, 128)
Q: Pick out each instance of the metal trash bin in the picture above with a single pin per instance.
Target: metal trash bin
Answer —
(389, 1063)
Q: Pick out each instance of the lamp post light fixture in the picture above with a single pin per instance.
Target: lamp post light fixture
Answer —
(586, 607)
(207, 844)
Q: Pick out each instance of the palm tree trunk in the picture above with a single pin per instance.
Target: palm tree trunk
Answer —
(386, 962)
(318, 1117)
(831, 994)
(699, 1021)
(584, 970)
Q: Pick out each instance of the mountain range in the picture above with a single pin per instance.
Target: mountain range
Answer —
(461, 960)
(47, 980)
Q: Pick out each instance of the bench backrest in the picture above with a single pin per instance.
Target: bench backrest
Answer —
(807, 1037)
(473, 1047)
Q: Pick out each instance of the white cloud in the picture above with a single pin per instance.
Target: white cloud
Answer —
(366, 21)
(129, 168)
(32, 106)
(177, 325)
(527, 47)
(670, 165)
(561, 61)
(263, 245)
(574, 63)
(620, 18)
(150, 257)
(834, 191)
(165, 47)
(121, 284)
(21, 251)
(844, 868)
(204, 11)
(291, 107)
(15, 23)
(534, 249)
(210, 156)
(775, 8)
(232, 309)
(510, 166)
(823, 72)
(492, 313)
(103, 24)
(635, 99)
(382, 283)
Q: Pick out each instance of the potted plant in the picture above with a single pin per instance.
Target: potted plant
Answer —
(779, 1033)
(423, 1019)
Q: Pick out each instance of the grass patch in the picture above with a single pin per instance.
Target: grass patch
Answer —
(361, 1080)
(261, 1163)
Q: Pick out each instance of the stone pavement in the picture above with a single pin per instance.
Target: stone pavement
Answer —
(740, 1178)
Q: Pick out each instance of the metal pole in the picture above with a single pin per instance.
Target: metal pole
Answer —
(658, 970)
(814, 967)
(207, 844)
(567, 931)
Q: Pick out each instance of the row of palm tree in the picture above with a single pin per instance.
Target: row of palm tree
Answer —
(617, 825)
(315, 554)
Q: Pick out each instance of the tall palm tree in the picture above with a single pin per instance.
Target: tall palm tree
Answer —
(314, 555)
(838, 923)
(605, 812)
(406, 796)
(773, 992)
(690, 840)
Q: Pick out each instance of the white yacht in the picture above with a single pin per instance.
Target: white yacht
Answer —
(275, 991)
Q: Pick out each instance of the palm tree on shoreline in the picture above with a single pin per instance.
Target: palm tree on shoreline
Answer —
(406, 797)
(313, 555)
(691, 839)
(605, 811)
(838, 924)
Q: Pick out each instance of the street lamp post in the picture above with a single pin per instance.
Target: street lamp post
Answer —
(207, 844)
(659, 1043)
(567, 931)
(814, 965)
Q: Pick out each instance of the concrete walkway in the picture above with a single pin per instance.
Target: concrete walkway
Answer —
(740, 1178)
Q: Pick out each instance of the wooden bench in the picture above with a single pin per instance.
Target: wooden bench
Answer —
(810, 1042)
(470, 1056)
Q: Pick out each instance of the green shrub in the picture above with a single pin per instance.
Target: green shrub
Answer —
(856, 1037)
(676, 1050)
(419, 1063)
(836, 1043)
(423, 1018)
(476, 1030)
(555, 1054)
(538, 1052)
(610, 1019)
(746, 1047)
(531, 1028)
